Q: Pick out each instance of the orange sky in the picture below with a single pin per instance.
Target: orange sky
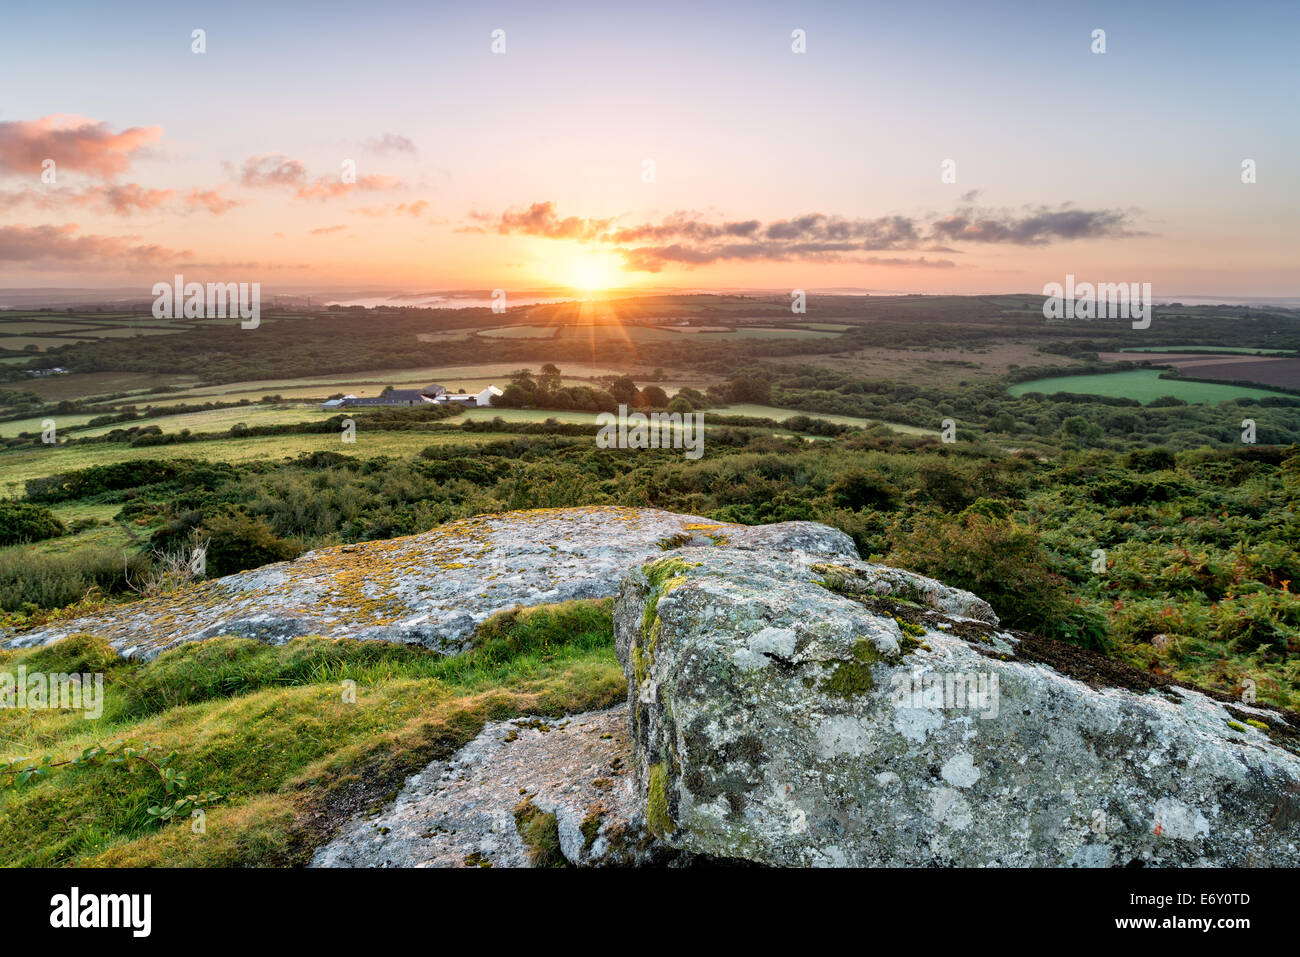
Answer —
(678, 148)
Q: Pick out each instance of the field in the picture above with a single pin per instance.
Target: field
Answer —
(637, 333)
(1145, 385)
(1280, 371)
(20, 331)
(19, 466)
(471, 378)
(771, 412)
(1247, 350)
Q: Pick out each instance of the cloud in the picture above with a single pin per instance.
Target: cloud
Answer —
(540, 219)
(688, 239)
(1036, 228)
(389, 143)
(123, 199)
(61, 244)
(326, 188)
(74, 143)
(272, 169)
(414, 209)
(212, 200)
(326, 230)
(128, 198)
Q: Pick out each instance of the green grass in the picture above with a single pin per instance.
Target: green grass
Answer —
(220, 420)
(772, 412)
(1145, 385)
(1211, 349)
(16, 467)
(269, 729)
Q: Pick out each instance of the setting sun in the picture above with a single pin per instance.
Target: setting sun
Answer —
(592, 271)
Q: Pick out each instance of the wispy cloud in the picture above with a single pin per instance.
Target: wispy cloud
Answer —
(388, 143)
(688, 239)
(35, 244)
(326, 188)
(213, 200)
(540, 219)
(1034, 228)
(74, 143)
(414, 209)
(272, 170)
(124, 199)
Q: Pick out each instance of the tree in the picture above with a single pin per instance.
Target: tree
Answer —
(654, 396)
(549, 380)
(624, 390)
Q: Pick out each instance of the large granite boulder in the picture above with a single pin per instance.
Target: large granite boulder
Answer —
(431, 589)
(790, 711)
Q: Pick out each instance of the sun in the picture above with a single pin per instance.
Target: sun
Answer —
(591, 271)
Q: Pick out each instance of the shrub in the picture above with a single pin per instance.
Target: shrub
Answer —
(1005, 564)
(31, 580)
(858, 489)
(22, 522)
(238, 542)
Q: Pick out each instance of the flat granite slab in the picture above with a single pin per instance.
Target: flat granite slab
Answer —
(430, 589)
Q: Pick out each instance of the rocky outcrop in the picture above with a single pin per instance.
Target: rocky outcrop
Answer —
(525, 792)
(431, 589)
(794, 712)
(788, 704)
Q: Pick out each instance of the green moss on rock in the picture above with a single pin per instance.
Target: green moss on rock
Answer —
(658, 818)
(852, 677)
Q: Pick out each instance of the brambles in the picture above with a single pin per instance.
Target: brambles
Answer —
(16, 772)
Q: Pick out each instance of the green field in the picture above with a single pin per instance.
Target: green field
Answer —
(471, 378)
(772, 412)
(1246, 350)
(746, 409)
(1145, 385)
(19, 466)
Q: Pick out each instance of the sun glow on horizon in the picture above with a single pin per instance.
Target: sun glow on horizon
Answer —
(590, 271)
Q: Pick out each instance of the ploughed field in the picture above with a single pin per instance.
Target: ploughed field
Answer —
(1281, 370)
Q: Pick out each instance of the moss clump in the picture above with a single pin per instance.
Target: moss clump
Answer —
(839, 579)
(910, 628)
(590, 828)
(640, 664)
(1236, 726)
(1257, 724)
(851, 678)
(541, 835)
(476, 860)
(658, 819)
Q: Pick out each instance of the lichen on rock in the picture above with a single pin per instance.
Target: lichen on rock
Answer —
(799, 712)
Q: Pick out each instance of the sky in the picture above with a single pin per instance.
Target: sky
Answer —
(663, 145)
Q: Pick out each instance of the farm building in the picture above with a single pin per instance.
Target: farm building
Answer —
(411, 397)
(483, 398)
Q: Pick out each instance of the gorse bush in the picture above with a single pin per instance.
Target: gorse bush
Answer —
(238, 542)
(23, 522)
(1005, 564)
